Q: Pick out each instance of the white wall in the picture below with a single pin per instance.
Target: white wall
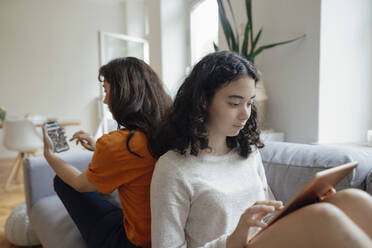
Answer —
(174, 26)
(135, 26)
(143, 20)
(297, 79)
(164, 24)
(345, 79)
(290, 72)
(49, 57)
(154, 35)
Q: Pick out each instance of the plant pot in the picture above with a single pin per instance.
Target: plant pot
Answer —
(261, 101)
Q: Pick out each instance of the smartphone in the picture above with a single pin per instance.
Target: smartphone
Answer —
(57, 136)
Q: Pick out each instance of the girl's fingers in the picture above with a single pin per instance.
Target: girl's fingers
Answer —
(47, 142)
(276, 204)
(77, 134)
(261, 216)
(44, 132)
(258, 223)
(273, 202)
(258, 209)
(86, 146)
(330, 192)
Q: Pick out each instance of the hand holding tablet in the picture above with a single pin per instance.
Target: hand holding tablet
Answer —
(320, 186)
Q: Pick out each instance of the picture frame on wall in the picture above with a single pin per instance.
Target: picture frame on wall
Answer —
(113, 45)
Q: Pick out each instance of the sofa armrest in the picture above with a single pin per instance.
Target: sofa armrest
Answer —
(38, 175)
(290, 166)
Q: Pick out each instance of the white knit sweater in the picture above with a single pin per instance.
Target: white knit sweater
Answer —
(197, 201)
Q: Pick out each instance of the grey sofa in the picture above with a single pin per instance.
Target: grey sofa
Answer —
(288, 167)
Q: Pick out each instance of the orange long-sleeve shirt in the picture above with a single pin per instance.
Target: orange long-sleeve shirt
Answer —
(114, 167)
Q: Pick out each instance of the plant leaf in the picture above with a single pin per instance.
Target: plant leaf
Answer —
(260, 49)
(256, 39)
(216, 49)
(229, 33)
(235, 26)
(248, 6)
(244, 52)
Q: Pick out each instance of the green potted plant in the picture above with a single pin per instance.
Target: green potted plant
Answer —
(249, 48)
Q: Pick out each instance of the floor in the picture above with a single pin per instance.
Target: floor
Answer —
(8, 199)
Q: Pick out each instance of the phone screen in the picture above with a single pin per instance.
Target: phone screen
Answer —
(57, 136)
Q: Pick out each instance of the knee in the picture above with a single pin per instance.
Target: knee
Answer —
(326, 213)
(319, 217)
(352, 195)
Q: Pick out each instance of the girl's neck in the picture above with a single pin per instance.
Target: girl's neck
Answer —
(218, 146)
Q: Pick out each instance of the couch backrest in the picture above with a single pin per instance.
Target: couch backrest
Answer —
(290, 166)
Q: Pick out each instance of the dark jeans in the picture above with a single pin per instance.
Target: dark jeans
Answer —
(99, 221)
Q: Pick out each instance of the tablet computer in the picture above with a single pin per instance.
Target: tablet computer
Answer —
(319, 185)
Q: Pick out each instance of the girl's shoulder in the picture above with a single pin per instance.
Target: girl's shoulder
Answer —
(117, 142)
(172, 157)
(173, 160)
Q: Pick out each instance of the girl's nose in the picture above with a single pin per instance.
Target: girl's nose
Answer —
(245, 113)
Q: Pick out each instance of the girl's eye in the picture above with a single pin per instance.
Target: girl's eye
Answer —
(233, 104)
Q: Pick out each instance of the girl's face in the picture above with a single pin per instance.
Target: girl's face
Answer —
(106, 87)
(231, 108)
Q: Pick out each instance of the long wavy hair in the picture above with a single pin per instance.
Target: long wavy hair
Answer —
(137, 100)
(184, 127)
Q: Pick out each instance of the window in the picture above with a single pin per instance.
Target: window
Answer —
(203, 28)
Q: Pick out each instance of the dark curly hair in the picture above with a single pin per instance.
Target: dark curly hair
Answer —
(185, 125)
(138, 100)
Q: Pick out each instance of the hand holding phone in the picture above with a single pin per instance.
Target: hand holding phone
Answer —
(57, 136)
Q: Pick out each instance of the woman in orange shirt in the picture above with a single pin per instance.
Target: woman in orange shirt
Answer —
(122, 160)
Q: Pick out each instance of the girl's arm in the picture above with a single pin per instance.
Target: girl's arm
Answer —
(69, 174)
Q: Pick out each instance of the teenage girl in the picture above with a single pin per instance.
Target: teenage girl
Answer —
(209, 189)
(122, 160)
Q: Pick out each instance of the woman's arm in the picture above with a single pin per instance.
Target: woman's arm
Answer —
(69, 174)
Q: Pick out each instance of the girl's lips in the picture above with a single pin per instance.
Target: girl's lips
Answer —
(239, 126)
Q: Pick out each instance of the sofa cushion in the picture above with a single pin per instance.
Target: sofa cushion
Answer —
(53, 225)
(290, 166)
